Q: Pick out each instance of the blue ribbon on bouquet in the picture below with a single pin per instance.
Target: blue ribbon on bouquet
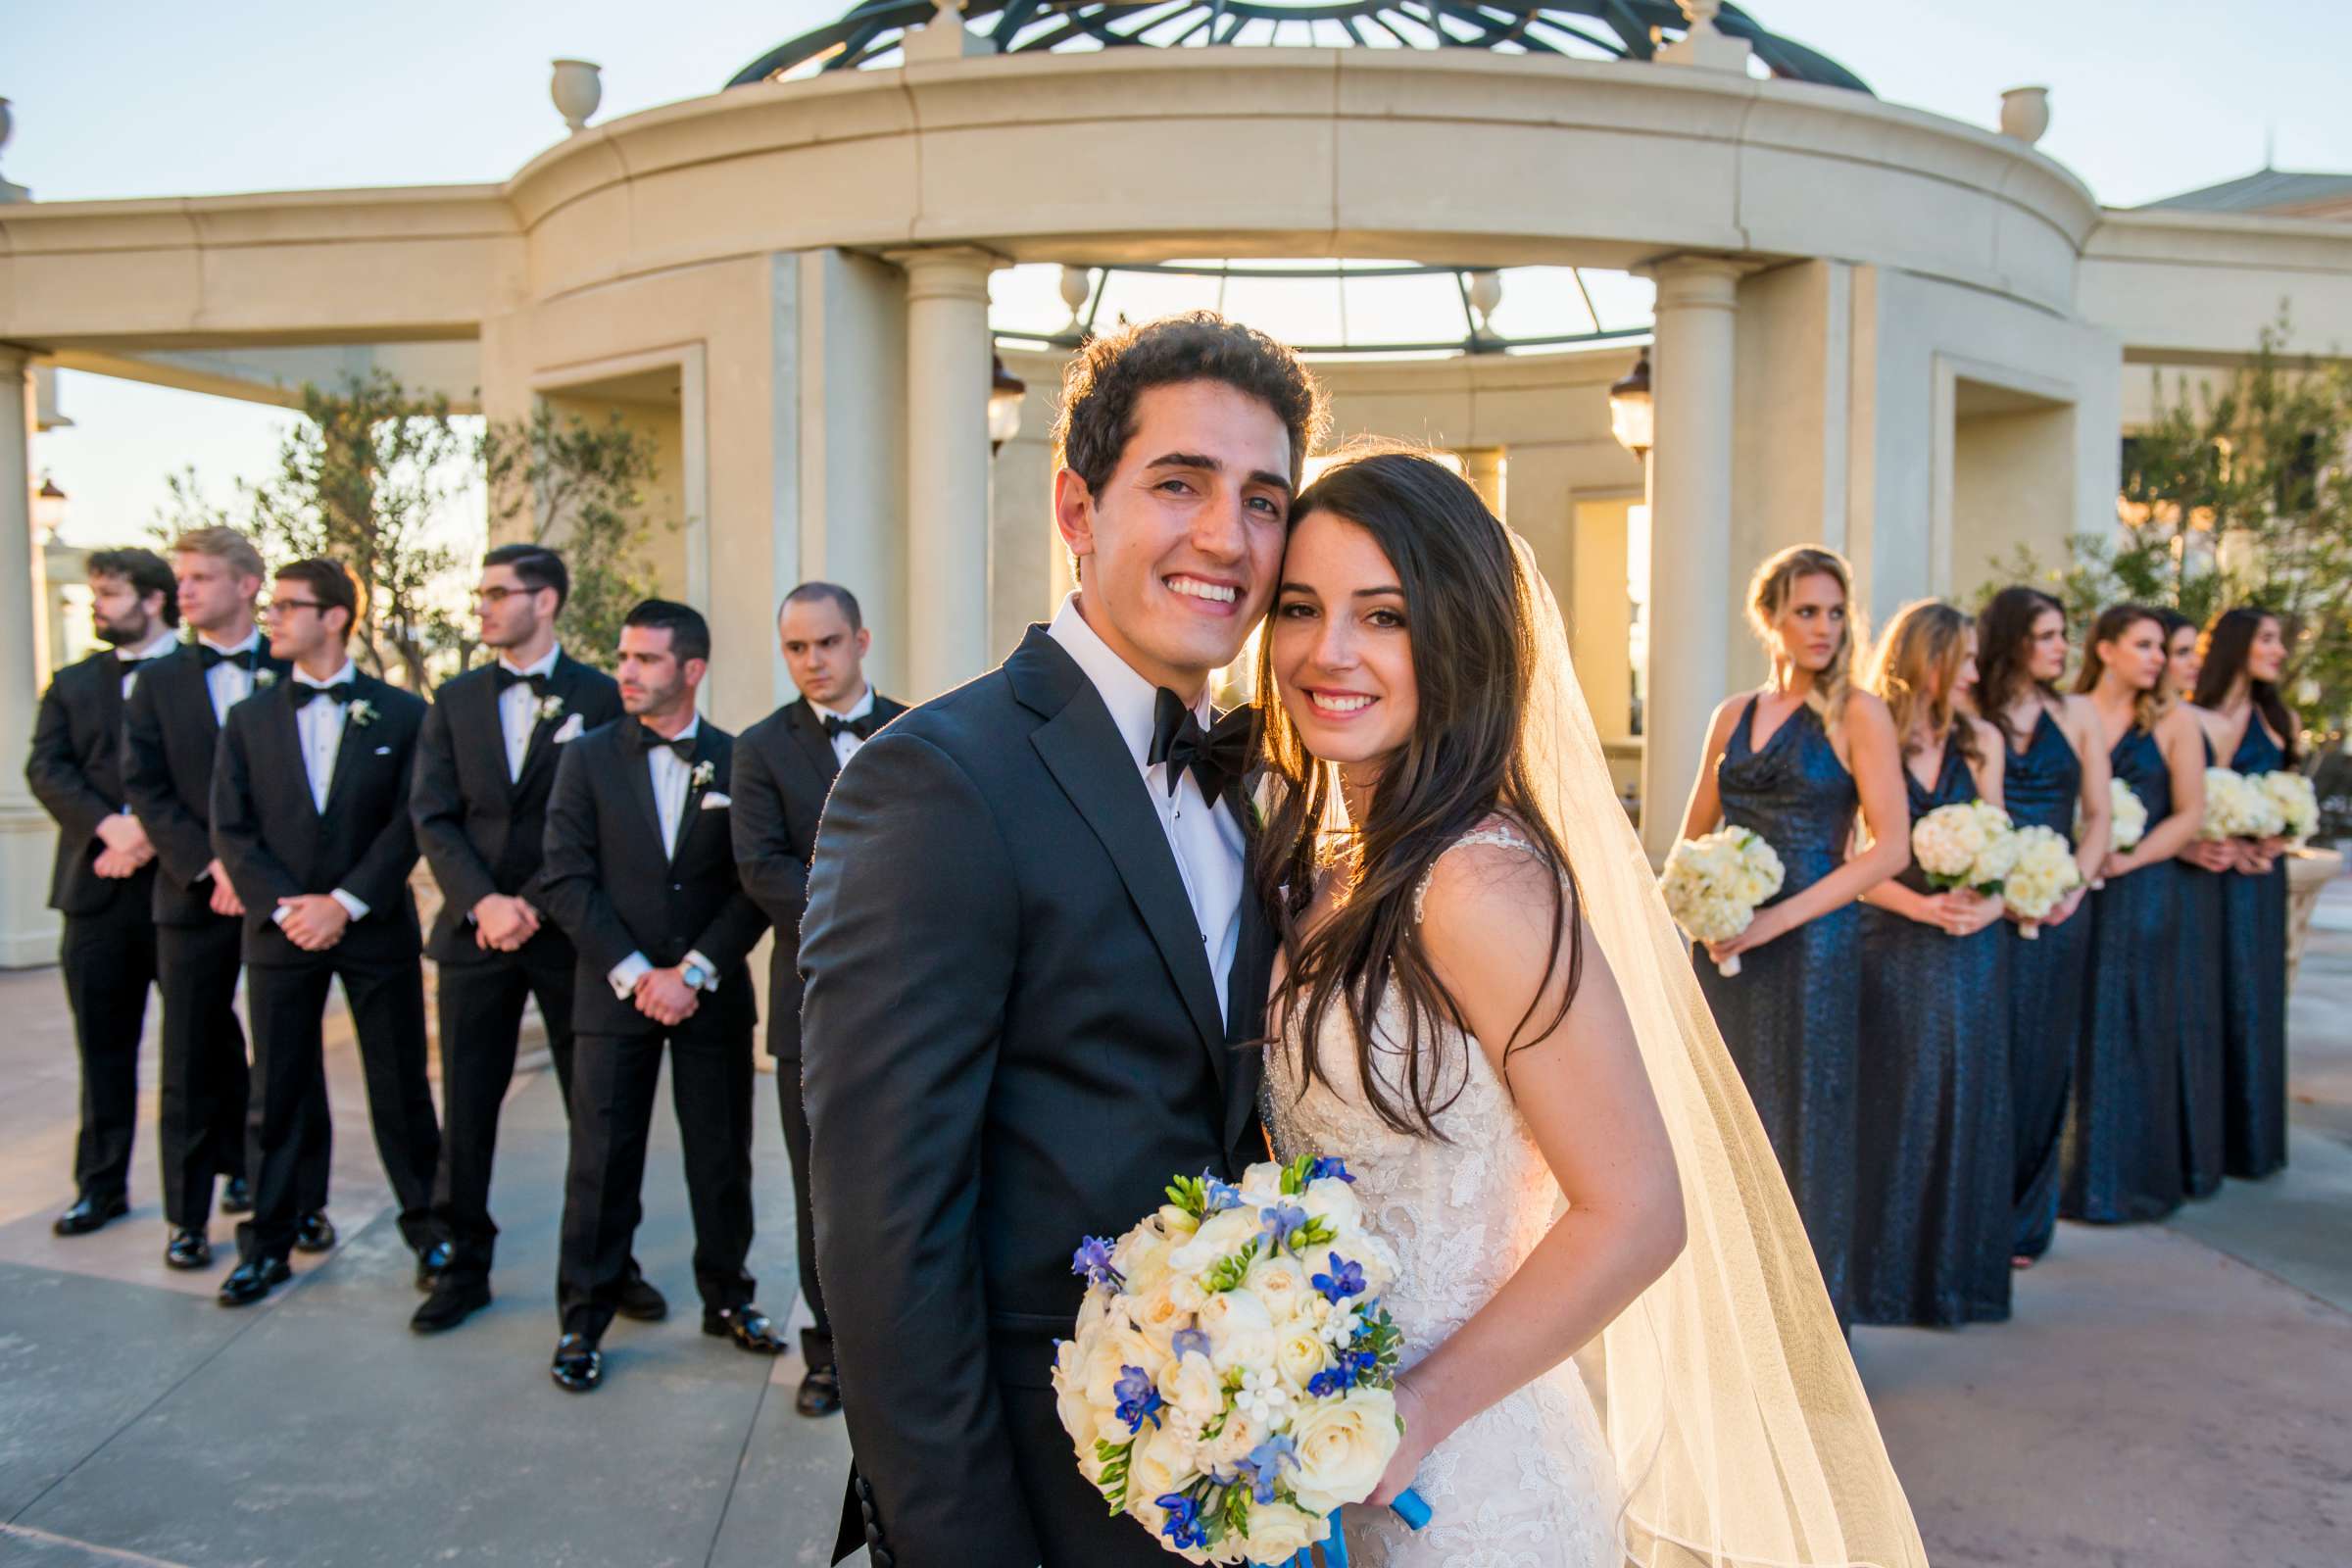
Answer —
(1406, 1507)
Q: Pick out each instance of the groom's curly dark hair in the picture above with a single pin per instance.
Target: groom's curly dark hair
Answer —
(1099, 390)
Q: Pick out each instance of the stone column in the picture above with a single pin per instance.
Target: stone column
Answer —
(1482, 467)
(27, 838)
(1690, 531)
(948, 382)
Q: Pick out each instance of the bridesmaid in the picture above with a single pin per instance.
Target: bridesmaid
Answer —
(2245, 653)
(2122, 1142)
(2204, 866)
(1789, 761)
(2054, 775)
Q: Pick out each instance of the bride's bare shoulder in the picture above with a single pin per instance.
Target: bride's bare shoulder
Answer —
(1496, 876)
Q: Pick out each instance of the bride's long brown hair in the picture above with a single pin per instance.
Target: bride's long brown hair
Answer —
(1469, 617)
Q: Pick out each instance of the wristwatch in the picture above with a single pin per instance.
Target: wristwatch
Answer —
(695, 975)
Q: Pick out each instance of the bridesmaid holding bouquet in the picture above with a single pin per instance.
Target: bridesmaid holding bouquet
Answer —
(1790, 761)
(2249, 724)
(1932, 1232)
(2122, 1145)
(2206, 865)
(2054, 776)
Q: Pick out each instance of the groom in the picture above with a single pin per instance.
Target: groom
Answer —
(1035, 973)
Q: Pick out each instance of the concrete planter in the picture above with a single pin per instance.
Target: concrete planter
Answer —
(2308, 872)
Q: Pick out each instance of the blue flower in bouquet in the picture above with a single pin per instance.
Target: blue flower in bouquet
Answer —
(1189, 1341)
(1221, 1196)
(1092, 1260)
(1182, 1526)
(1328, 1166)
(1346, 1279)
(1281, 1222)
(1332, 1379)
(1265, 1463)
(1139, 1401)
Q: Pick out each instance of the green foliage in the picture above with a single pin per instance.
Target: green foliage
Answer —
(1235, 1512)
(1228, 1272)
(1316, 1232)
(1295, 1175)
(1113, 1484)
(1189, 1193)
(579, 487)
(2242, 496)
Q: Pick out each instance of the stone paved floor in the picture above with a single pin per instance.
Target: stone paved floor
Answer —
(2175, 1395)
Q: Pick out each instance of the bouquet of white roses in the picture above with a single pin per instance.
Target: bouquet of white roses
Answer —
(2298, 805)
(2237, 808)
(1230, 1383)
(2043, 873)
(1968, 843)
(1712, 885)
(2126, 817)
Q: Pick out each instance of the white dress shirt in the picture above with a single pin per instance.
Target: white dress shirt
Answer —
(845, 744)
(229, 683)
(320, 728)
(1202, 834)
(130, 659)
(673, 781)
(518, 710)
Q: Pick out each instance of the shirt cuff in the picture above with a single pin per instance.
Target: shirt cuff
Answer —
(711, 969)
(352, 907)
(627, 972)
(278, 914)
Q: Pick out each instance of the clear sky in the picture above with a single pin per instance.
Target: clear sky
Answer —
(139, 98)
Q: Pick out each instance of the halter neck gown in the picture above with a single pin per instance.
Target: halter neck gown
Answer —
(2203, 1137)
(2254, 994)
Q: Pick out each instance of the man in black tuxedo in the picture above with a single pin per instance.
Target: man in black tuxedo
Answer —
(1035, 977)
(784, 767)
(104, 879)
(170, 734)
(640, 872)
(311, 820)
(485, 762)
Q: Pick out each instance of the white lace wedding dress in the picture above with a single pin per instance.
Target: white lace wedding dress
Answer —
(1530, 1482)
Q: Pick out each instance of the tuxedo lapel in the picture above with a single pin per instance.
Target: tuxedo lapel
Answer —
(637, 773)
(283, 719)
(354, 737)
(807, 729)
(705, 751)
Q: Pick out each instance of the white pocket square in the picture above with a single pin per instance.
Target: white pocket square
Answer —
(569, 730)
(383, 750)
(716, 801)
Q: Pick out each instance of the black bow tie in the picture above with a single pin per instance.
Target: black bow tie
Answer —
(209, 655)
(1216, 756)
(340, 692)
(863, 727)
(648, 743)
(504, 678)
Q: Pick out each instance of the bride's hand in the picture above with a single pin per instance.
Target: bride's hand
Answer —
(1420, 1436)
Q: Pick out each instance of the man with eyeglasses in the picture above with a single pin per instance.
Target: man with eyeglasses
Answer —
(485, 762)
(310, 821)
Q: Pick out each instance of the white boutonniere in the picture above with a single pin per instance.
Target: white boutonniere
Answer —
(569, 730)
(363, 714)
(264, 679)
(550, 707)
(704, 772)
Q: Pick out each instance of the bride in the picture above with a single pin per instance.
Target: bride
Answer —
(1482, 1007)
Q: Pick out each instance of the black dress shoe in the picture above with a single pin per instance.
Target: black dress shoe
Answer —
(747, 1327)
(640, 1300)
(237, 1197)
(187, 1249)
(314, 1232)
(432, 1263)
(821, 1392)
(452, 1303)
(254, 1279)
(579, 1366)
(89, 1211)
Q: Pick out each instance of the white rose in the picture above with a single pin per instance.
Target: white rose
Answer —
(1332, 1199)
(1378, 1261)
(1120, 1347)
(1343, 1446)
(1176, 1222)
(1072, 1407)
(1140, 1257)
(1239, 1330)
(1172, 1448)
(1241, 1433)
(1263, 1182)
(1157, 1316)
(1186, 1291)
(1192, 1389)
(1299, 1354)
(1277, 1531)
(1281, 1284)
(1222, 1234)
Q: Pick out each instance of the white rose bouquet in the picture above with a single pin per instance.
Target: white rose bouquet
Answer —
(1712, 885)
(2043, 873)
(2126, 817)
(1230, 1384)
(1968, 843)
(2297, 804)
(2237, 808)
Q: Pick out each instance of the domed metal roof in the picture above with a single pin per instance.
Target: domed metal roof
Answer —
(1616, 30)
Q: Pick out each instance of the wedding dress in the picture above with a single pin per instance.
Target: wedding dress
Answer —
(1530, 1482)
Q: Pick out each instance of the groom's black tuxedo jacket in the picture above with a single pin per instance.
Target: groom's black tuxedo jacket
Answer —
(170, 743)
(481, 831)
(1011, 1041)
(616, 889)
(274, 841)
(784, 769)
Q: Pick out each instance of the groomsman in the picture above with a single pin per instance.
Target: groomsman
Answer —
(485, 762)
(640, 872)
(171, 733)
(784, 767)
(311, 820)
(105, 869)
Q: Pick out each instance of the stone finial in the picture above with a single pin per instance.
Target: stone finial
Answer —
(944, 37)
(577, 87)
(2026, 113)
(1077, 287)
(1702, 43)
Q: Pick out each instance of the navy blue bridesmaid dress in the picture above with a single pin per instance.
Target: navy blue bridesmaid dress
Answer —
(1792, 1016)
(1933, 1225)
(2122, 1136)
(2254, 994)
(2202, 1076)
(2041, 789)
